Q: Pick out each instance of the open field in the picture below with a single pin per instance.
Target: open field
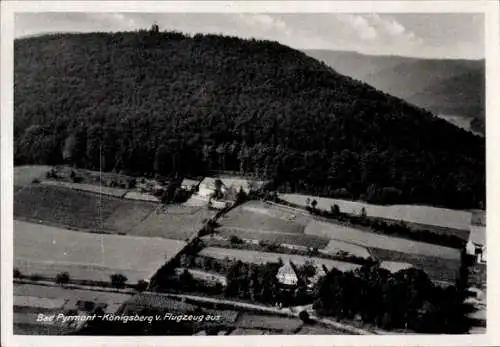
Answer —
(175, 222)
(24, 175)
(264, 257)
(45, 250)
(257, 215)
(64, 206)
(425, 215)
(92, 188)
(141, 196)
(274, 237)
(30, 300)
(316, 330)
(372, 240)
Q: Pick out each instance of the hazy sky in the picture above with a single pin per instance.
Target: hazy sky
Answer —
(419, 35)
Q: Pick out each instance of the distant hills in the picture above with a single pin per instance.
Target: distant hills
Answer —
(163, 103)
(452, 88)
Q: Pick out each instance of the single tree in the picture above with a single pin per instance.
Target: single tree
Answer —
(304, 316)
(314, 203)
(118, 280)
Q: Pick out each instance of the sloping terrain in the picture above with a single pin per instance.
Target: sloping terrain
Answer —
(155, 102)
(447, 86)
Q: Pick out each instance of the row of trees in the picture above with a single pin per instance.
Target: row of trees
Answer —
(404, 300)
(168, 104)
(254, 282)
(378, 225)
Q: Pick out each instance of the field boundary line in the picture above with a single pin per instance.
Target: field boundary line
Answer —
(75, 286)
(287, 312)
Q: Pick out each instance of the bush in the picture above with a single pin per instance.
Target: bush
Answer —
(35, 181)
(304, 316)
(17, 273)
(118, 280)
(235, 240)
(35, 277)
(62, 278)
(77, 179)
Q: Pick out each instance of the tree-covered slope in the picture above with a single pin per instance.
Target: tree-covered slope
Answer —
(443, 86)
(165, 103)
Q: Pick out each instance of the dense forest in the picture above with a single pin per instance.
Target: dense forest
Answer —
(163, 103)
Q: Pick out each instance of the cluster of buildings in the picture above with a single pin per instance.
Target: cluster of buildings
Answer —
(220, 192)
(476, 249)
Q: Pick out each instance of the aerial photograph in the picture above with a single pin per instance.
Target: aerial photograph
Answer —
(249, 173)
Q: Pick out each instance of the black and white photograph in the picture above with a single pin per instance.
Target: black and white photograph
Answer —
(248, 172)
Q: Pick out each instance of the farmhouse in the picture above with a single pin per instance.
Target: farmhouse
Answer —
(204, 276)
(476, 245)
(209, 186)
(286, 275)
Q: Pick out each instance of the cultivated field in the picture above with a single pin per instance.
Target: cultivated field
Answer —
(128, 216)
(45, 250)
(264, 257)
(437, 268)
(24, 175)
(92, 188)
(372, 240)
(175, 222)
(257, 215)
(274, 237)
(64, 206)
(425, 215)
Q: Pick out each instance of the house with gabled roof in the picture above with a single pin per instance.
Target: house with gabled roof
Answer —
(287, 275)
(476, 245)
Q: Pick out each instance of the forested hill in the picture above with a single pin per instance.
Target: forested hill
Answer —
(169, 104)
(452, 87)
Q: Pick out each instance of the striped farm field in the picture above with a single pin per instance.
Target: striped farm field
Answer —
(424, 215)
(92, 188)
(335, 247)
(258, 215)
(128, 216)
(372, 240)
(175, 222)
(64, 206)
(274, 237)
(264, 257)
(47, 251)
